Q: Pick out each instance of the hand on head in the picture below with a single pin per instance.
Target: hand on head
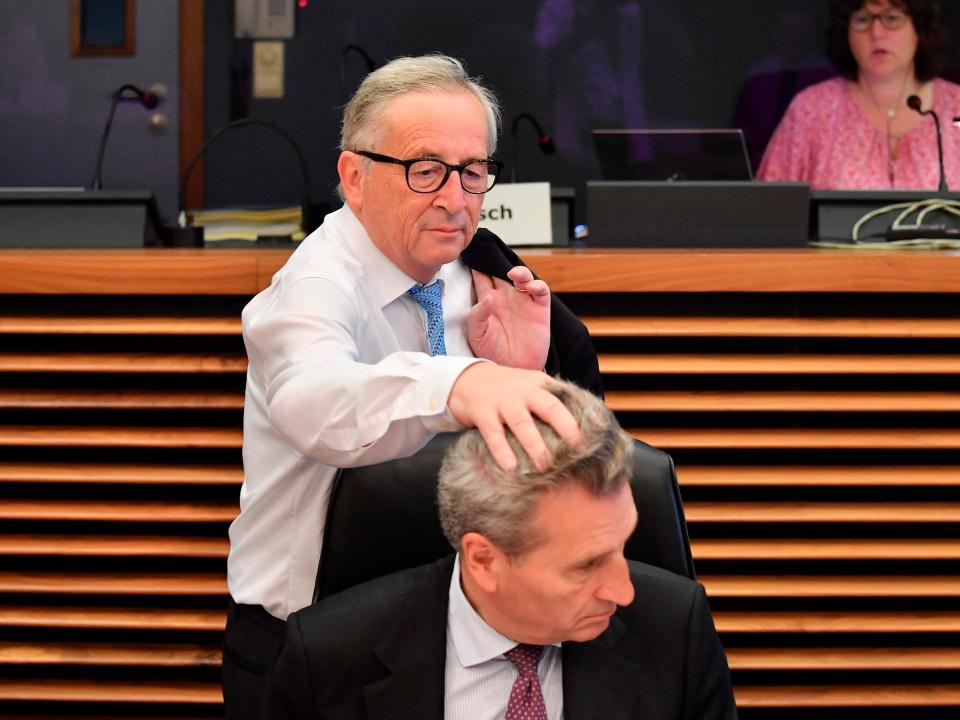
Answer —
(491, 398)
(510, 324)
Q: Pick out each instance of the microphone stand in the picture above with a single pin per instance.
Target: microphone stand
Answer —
(914, 103)
(304, 171)
(545, 142)
(371, 65)
(943, 175)
(149, 100)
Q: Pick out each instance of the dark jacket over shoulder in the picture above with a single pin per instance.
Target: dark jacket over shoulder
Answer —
(378, 652)
(571, 355)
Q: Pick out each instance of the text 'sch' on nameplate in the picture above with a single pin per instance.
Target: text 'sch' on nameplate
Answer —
(519, 213)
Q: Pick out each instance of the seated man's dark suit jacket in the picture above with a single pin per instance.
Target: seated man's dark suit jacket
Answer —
(378, 651)
(571, 354)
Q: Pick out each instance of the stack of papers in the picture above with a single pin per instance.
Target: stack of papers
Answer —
(248, 224)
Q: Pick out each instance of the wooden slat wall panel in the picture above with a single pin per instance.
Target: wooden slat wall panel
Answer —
(52, 472)
(121, 363)
(905, 476)
(818, 459)
(136, 618)
(811, 402)
(730, 622)
(114, 582)
(101, 691)
(100, 325)
(120, 438)
(825, 549)
(149, 655)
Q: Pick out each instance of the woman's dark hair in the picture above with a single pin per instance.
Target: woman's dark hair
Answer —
(931, 35)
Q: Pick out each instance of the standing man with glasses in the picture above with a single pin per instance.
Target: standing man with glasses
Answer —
(395, 320)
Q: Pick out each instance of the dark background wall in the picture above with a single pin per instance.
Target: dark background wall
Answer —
(53, 105)
(575, 64)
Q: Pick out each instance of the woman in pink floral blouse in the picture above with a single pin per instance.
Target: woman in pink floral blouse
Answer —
(856, 131)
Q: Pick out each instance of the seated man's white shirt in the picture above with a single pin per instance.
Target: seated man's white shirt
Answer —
(478, 679)
(339, 375)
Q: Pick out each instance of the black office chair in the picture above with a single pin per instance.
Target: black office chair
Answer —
(383, 518)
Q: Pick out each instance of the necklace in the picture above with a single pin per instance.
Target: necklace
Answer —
(890, 112)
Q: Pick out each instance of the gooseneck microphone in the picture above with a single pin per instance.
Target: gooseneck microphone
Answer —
(306, 223)
(544, 141)
(344, 54)
(914, 103)
(147, 98)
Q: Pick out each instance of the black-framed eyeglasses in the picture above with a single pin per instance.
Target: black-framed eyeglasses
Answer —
(427, 175)
(891, 19)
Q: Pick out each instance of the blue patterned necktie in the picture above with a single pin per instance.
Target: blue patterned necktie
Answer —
(428, 297)
(526, 697)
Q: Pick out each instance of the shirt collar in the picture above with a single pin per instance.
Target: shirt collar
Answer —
(391, 282)
(474, 641)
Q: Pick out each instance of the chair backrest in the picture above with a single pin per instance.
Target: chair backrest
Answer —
(383, 518)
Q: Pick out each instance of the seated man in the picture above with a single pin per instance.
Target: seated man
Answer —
(538, 615)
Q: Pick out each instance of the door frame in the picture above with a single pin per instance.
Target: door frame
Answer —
(191, 96)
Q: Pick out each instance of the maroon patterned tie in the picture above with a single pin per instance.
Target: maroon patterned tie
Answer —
(526, 699)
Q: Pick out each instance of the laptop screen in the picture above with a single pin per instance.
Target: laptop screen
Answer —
(672, 155)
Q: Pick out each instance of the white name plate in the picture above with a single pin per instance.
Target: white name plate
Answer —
(519, 213)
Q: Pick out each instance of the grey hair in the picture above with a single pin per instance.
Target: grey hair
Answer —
(476, 495)
(363, 114)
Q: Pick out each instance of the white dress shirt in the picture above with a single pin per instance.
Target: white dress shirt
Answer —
(478, 678)
(339, 375)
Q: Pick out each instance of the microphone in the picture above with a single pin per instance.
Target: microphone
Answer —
(306, 220)
(914, 103)
(371, 65)
(149, 99)
(544, 141)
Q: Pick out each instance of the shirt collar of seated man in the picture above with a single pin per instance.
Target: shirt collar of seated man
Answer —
(547, 566)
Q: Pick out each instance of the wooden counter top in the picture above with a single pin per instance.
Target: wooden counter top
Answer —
(174, 271)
